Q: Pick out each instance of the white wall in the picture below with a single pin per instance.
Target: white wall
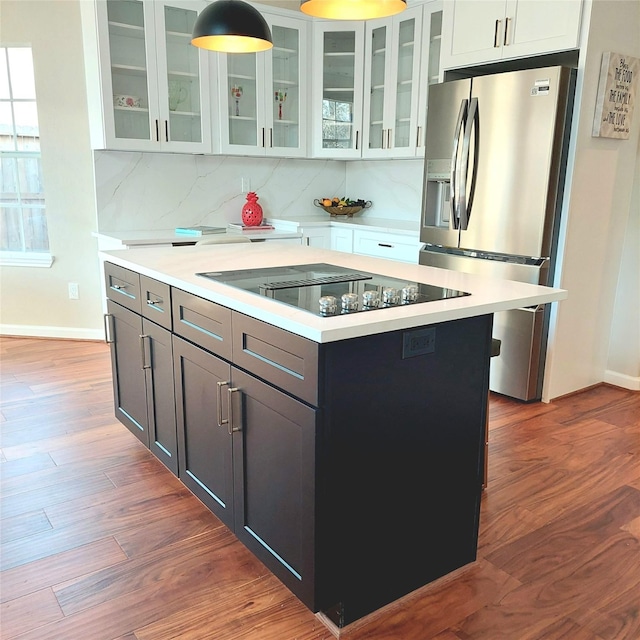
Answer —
(35, 300)
(623, 364)
(596, 217)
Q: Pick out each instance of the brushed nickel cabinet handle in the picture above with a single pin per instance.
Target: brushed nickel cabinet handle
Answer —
(146, 362)
(108, 328)
(418, 137)
(388, 138)
(157, 130)
(231, 427)
(221, 421)
(506, 32)
(166, 130)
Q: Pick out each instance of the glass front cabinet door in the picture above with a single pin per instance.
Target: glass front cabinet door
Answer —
(338, 50)
(155, 84)
(263, 95)
(392, 79)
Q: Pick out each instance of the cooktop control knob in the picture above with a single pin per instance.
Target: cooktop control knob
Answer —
(390, 295)
(410, 293)
(371, 299)
(350, 301)
(328, 305)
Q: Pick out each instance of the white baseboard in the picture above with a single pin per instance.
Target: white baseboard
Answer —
(66, 333)
(621, 380)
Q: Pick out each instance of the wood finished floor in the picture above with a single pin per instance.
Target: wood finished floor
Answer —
(100, 542)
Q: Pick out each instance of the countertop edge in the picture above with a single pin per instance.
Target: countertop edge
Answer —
(178, 266)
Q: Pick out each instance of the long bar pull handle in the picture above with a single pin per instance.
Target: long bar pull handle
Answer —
(419, 137)
(166, 130)
(382, 139)
(464, 163)
(388, 138)
(108, 328)
(146, 362)
(453, 200)
(220, 420)
(496, 40)
(231, 428)
(506, 32)
(271, 137)
(157, 130)
(474, 119)
(263, 137)
(357, 139)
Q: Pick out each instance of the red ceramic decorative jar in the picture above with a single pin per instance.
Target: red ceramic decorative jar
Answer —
(252, 211)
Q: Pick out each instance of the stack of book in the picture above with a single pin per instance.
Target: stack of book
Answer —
(238, 226)
(199, 230)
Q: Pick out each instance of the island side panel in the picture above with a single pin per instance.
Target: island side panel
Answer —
(401, 462)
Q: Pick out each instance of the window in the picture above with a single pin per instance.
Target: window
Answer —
(337, 118)
(23, 224)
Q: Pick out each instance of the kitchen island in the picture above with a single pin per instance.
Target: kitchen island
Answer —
(345, 452)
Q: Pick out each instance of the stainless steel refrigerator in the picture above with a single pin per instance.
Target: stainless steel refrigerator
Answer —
(493, 184)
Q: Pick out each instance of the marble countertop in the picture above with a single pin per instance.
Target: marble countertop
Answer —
(177, 266)
(168, 236)
(386, 225)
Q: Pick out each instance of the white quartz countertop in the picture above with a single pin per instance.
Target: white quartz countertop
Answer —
(177, 266)
(169, 236)
(402, 227)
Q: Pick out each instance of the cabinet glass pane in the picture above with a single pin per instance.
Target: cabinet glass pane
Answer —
(338, 82)
(404, 87)
(183, 76)
(286, 87)
(376, 106)
(127, 46)
(242, 98)
(435, 39)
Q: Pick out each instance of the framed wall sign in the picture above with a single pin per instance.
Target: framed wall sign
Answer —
(617, 94)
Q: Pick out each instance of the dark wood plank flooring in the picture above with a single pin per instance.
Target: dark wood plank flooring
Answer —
(100, 542)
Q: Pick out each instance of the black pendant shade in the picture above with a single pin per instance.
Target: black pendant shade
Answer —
(231, 26)
(352, 9)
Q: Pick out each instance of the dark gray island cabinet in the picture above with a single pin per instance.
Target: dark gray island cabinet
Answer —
(352, 469)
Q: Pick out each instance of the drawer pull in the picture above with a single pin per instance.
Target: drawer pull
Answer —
(385, 245)
(231, 427)
(222, 421)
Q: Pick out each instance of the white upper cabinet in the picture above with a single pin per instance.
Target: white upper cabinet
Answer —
(336, 110)
(391, 85)
(148, 87)
(263, 96)
(480, 31)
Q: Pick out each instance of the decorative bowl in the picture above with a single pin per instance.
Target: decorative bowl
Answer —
(349, 212)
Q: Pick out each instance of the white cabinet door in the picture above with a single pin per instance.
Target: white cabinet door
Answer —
(480, 31)
(391, 80)
(430, 66)
(540, 27)
(145, 54)
(263, 96)
(342, 239)
(183, 80)
(318, 237)
(338, 52)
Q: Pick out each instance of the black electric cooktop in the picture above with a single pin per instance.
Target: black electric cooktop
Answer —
(331, 290)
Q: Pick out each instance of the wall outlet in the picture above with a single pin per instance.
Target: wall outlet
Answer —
(245, 184)
(74, 291)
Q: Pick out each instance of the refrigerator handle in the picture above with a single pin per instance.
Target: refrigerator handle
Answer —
(455, 168)
(473, 128)
(463, 169)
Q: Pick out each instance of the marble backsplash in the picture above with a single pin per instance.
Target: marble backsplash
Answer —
(142, 191)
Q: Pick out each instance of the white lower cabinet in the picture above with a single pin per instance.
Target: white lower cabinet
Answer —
(318, 237)
(342, 239)
(386, 245)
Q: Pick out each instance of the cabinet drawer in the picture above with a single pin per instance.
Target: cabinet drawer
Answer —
(155, 300)
(385, 245)
(123, 286)
(204, 323)
(285, 360)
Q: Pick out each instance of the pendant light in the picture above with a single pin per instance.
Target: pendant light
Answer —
(352, 9)
(231, 26)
